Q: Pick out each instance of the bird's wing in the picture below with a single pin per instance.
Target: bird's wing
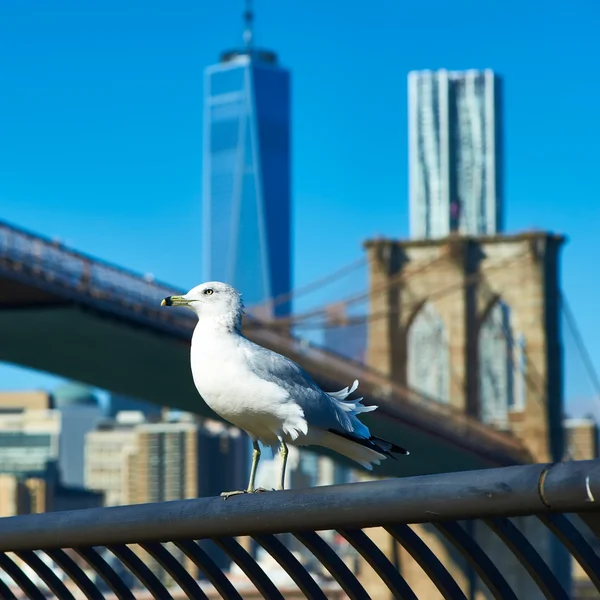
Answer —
(320, 409)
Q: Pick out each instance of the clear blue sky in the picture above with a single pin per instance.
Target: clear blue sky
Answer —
(101, 123)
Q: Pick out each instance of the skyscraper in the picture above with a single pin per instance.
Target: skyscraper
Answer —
(246, 172)
(455, 153)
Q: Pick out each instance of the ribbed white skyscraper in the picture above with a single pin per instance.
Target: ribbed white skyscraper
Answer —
(455, 153)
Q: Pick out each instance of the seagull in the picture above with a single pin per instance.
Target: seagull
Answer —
(267, 395)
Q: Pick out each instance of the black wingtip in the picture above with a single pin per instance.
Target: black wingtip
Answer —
(379, 445)
(394, 448)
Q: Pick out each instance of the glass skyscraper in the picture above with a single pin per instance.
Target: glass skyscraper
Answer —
(246, 193)
(455, 153)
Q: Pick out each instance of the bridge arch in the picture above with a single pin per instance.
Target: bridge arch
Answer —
(428, 354)
(496, 361)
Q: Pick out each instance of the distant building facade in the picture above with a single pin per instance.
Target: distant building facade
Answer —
(38, 446)
(32, 495)
(29, 442)
(246, 173)
(106, 452)
(41, 449)
(12, 401)
(132, 461)
(582, 438)
(79, 413)
(455, 153)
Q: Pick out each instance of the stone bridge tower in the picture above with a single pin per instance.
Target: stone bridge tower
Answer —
(474, 322)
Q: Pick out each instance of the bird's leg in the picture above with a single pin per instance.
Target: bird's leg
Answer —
(283, 451)
(251, 489)
(255, 459)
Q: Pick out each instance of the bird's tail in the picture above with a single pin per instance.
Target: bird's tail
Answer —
(343, 394)
(366, 457)
(354, 439)
(347, 410)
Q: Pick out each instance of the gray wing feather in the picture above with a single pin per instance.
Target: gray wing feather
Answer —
(319, 409)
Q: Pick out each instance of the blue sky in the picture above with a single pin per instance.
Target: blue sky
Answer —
(101, 123)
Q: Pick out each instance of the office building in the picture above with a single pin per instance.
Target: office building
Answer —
(32, 495)
(48, 427)
(15, 401)
(34, 456)
(132, 461)
(246, 176)
(29, 442)
(164, 465)
(582, 438)
(79, 413)
(455, 153)
(106, 452)
(14, 499)
(135, 462)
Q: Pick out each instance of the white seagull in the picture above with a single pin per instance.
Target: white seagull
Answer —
(266, 394)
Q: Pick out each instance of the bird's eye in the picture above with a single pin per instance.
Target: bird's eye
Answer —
(209, 291)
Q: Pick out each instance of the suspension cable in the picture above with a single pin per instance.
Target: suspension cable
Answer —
(581, 347)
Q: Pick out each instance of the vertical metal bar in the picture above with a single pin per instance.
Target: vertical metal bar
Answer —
(76, 574)
(249, 566)
(291, 566)
(46, 574)
(428, 561)
(106, 572)
(529, 558)
(5, 592)
(185, 581)
(17, 575)
(141, 571)
(333, 563)
(206, 564)
(381, 565)
(575, 543)
(478, 559)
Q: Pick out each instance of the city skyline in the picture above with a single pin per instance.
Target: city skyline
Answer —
(246, 175)
(434, 238)
(124, 176)
(455, 153)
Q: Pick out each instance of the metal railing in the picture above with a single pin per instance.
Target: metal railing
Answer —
(167, 548)
(76, 276)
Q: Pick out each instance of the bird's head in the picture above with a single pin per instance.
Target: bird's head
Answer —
(211, 300)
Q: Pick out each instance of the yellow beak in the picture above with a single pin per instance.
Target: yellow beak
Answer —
(174, 301)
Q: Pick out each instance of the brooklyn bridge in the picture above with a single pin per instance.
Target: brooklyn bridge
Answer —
(435, 313)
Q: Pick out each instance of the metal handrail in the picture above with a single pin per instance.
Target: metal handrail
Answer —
(169, 547)
(509, 491)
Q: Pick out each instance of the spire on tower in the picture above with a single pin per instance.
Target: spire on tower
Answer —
(249, 51)
(248, 22)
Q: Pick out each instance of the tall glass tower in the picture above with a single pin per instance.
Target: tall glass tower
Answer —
(455, 153)
(246, 172)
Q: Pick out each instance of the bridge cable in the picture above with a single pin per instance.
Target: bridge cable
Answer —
(580, 344)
